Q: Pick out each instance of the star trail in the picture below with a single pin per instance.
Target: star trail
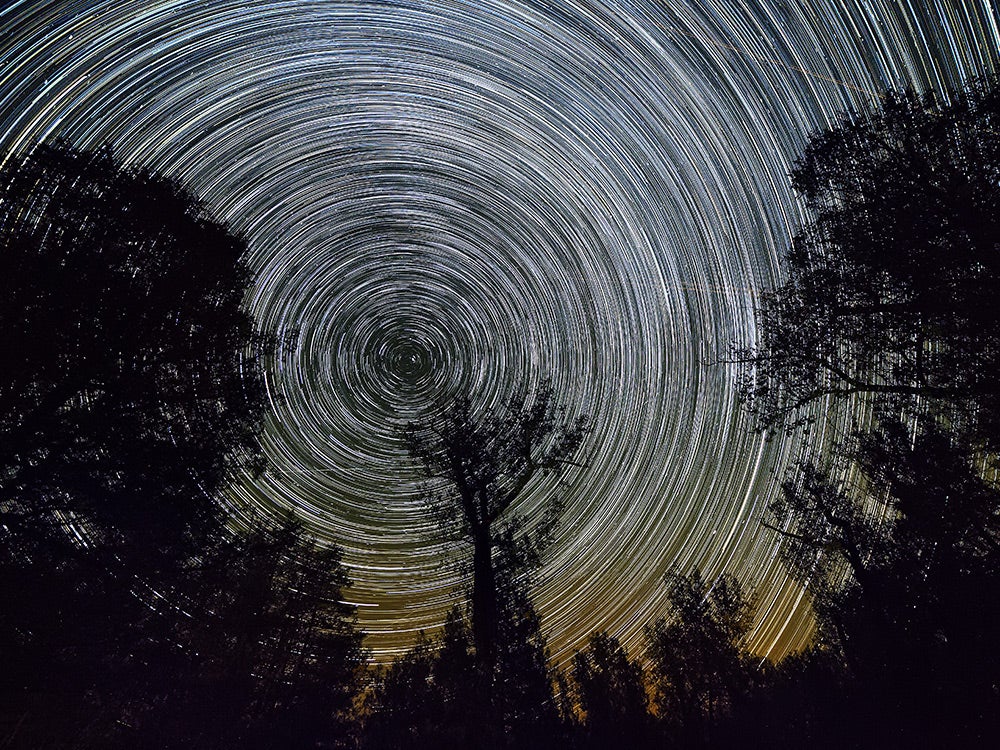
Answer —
(449, 196)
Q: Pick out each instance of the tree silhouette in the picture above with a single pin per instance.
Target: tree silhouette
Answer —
(891, 285)
(898, 561)
(131, 384)
(131, 388)
(432, 696)
(699, 666)
(270, 653)
(889, 303)
(611, 694)
(523, 706)
(482, 465)
(438, 695)
(406, 706)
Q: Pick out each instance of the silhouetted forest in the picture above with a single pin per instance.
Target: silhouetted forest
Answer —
(132, 391)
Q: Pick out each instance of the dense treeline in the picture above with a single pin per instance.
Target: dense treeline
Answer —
(132, 391)
(134, 617)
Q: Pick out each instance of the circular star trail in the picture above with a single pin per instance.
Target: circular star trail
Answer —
(449, 197)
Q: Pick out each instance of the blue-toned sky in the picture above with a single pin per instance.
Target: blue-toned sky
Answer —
(468, 196)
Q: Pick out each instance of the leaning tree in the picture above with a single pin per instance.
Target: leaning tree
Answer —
(482, 465)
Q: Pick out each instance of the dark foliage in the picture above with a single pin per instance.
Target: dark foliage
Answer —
(433, 696)
(440, 695)
(131, 383)
(267, 653)
(611, 695)
(891, 285)
(131, 390)
(903, 565)
(700, 670)
(895, 533)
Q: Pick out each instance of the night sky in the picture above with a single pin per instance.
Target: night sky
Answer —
(450, 196)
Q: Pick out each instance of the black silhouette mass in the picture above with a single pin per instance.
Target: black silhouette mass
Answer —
(133, 387)
(891, 289)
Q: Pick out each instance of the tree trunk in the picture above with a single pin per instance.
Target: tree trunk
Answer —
(484, 601)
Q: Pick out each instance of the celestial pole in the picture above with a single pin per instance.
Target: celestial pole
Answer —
(450, 196)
